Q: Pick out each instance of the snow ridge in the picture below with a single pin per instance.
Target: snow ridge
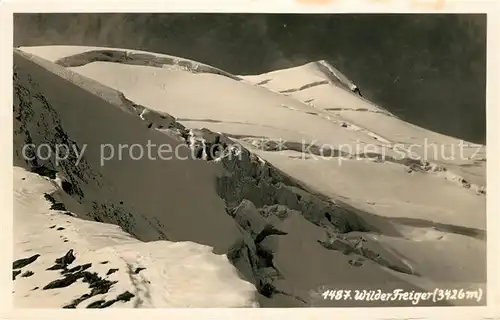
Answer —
(139, 58)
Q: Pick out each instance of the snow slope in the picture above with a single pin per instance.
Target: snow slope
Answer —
(369, 214)
(156, 274)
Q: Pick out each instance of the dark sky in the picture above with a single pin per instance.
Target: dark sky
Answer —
(428, 69)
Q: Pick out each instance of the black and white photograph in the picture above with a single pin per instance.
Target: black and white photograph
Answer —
(249, 160)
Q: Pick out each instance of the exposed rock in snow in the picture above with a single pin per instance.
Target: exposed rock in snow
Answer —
(287, 190)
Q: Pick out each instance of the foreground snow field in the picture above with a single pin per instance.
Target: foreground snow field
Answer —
(157, 274)
(313, 187)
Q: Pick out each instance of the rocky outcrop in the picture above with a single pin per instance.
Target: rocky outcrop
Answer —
(37, 123)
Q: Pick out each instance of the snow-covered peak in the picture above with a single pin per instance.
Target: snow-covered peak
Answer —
(286, 175)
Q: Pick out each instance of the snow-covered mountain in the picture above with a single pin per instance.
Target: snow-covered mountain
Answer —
(285, 185)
